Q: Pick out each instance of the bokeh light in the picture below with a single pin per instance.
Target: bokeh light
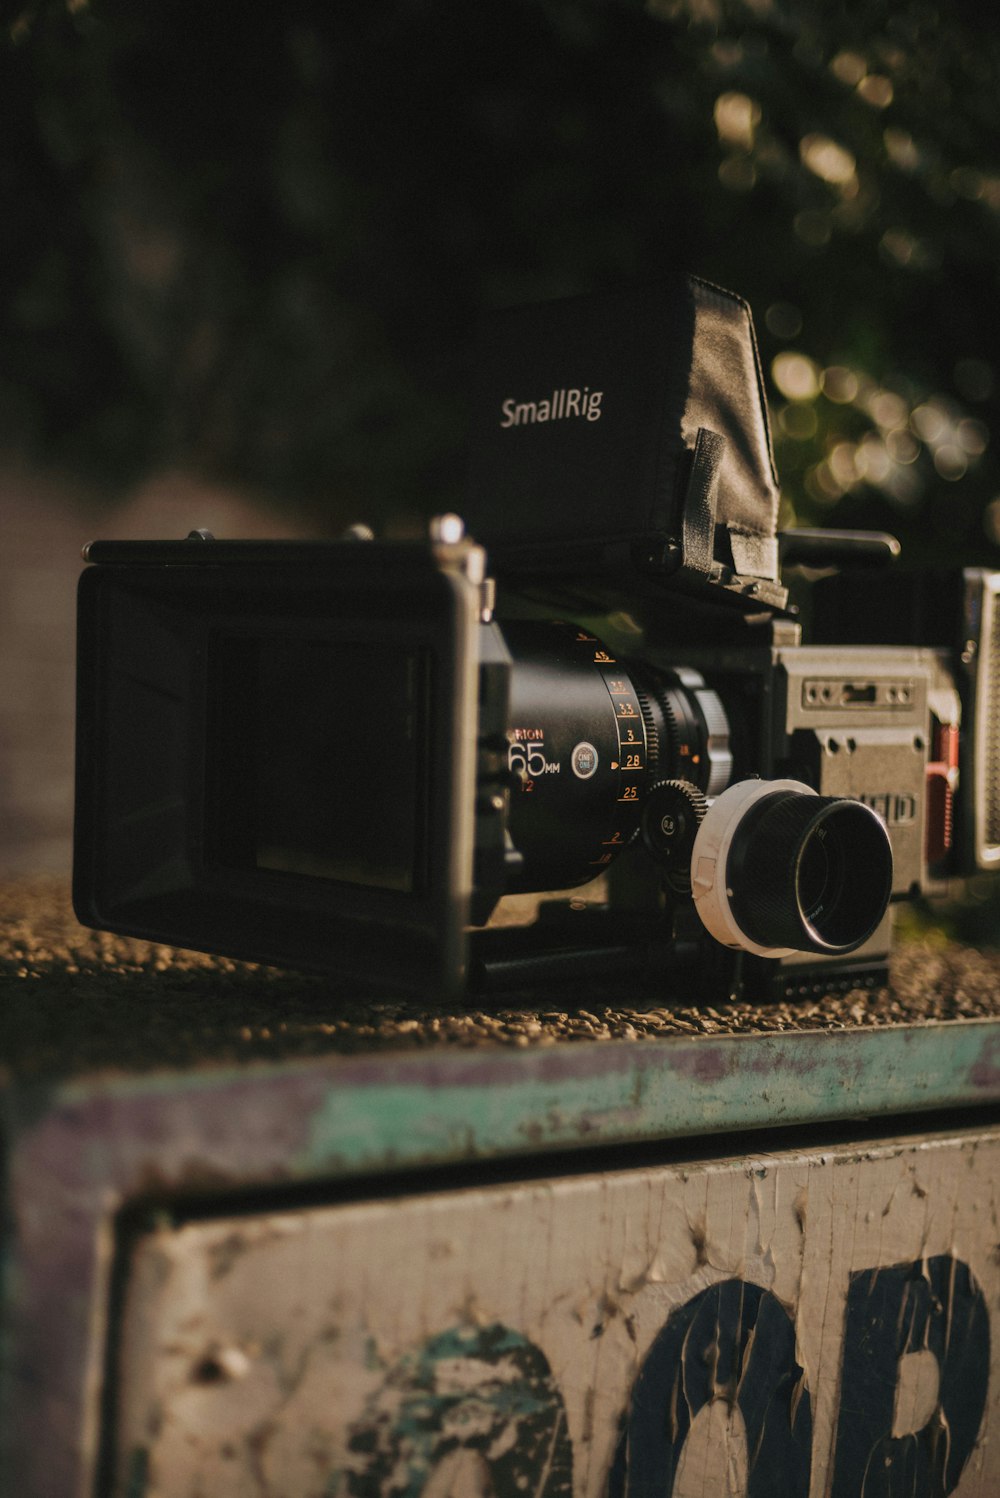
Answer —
(839, 384)
(876, 90)
(796, 376)
(783, 320)
(827, 160)
(736, 118)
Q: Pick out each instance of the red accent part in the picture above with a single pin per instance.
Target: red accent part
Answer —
(940, 801)
(942, 777)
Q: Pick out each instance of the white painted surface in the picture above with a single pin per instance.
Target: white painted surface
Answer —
(257, 1349)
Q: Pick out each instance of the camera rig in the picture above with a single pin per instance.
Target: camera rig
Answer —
(595, 750)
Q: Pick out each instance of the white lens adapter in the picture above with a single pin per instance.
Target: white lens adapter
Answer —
(777, 869)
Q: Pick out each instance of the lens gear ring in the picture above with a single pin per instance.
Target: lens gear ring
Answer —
(671, 816)
(652, 732)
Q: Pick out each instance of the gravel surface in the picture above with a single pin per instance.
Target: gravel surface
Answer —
(74, 1000)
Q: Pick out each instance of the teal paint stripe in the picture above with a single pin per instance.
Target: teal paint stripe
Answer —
(343, 1115)
(657, 1090)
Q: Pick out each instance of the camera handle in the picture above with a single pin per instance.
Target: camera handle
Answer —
(837, 551)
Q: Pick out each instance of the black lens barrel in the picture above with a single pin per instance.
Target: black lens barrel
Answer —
(813, 873)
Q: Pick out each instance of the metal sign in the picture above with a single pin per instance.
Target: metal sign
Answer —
(805, 1323)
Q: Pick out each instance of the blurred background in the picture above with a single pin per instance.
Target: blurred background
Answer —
(241, 266)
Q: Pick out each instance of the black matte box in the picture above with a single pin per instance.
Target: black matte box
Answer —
(667, 361)
(159, 708)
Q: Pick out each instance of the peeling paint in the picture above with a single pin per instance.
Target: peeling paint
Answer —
(558, 1332)
(482, 1390)
(732, 1343)
(984, 1073)
(932, 1308)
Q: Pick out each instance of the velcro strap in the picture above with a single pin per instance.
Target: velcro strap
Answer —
(698, 520)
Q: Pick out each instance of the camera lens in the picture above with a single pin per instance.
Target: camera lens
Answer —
(822, 874)
(810, 872)
(588, 734)
(778, 869)
(579, 748)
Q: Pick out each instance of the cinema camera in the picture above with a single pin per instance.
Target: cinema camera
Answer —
(387, 760)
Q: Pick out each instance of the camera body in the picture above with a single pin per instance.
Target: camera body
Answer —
(595, 751)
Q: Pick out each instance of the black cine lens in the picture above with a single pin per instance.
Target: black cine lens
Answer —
(587, 735)
(578, 755)
(813, 873)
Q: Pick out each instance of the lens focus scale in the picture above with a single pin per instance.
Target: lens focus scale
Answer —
(577, 753)
(588, 736)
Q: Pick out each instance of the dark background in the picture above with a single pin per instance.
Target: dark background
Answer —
(243, 255)
(258, 249)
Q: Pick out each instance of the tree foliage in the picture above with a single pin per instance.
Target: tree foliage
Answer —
(260, 249)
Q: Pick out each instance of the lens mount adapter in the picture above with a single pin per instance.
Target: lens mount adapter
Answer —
(777, 869)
